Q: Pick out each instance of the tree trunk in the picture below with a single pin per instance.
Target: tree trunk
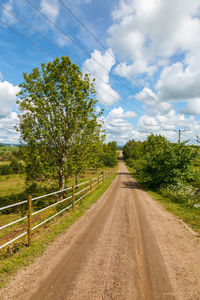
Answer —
(76, 179)
(65, 182)
(61, 185)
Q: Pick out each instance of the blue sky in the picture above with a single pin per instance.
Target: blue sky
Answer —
(147, 79)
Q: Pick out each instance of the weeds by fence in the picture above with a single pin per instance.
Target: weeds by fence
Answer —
(73, 194)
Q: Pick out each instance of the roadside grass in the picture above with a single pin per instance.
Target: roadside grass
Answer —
(10, 232)
(10, 263)
(12, 184)
(15, 183)
(8, 148)
(4, 163)
(189, 215)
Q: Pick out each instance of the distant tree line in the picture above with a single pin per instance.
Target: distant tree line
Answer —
(14, 167)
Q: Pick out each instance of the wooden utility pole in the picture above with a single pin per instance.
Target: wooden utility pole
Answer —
(179, 132)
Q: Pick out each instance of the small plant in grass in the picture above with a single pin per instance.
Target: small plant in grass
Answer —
(181, 193)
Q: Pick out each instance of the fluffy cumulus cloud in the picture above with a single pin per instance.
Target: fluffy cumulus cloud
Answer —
(192, 107)
(168, 123)
(7, 98)
(8, 118)
(149, 29)
(180, 82)
(153, 103)
(100, 65)
(50, 8)
(163, 38)
(8, 134)
(118, 128)
(6, 17)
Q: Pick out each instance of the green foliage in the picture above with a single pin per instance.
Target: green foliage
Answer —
(160, 163)
(181, 193)
(132, 150)
(8, 153)
(109, 155)
(15, 167)
(108, 160)
(57, 114)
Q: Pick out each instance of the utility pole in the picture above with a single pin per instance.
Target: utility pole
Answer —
(179, 132)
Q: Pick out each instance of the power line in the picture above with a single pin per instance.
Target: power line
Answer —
(54, 45)
(179, 132)
(101, 44)
(30, 27)
(72, 40)
(24, 37)
(98, 41)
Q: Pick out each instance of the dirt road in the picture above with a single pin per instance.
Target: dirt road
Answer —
(125, 247)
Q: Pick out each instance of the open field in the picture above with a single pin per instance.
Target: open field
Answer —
(4, 163)
(12, 184)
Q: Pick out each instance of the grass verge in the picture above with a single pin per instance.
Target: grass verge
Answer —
(189, 215)
(10, 264)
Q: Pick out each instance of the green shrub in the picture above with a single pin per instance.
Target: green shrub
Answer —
(15, 167)
(108, 159)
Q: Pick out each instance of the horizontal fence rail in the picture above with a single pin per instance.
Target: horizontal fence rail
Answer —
(93, 184)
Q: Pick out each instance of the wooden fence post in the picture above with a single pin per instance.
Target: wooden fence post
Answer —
(98, 181)
(29, 219)
(90, 185)
(73, 197)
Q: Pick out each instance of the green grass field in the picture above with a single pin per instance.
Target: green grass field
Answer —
(4, 163)
(11, 184)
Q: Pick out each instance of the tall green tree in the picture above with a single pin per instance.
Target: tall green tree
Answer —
(85, 152)
(56, 107)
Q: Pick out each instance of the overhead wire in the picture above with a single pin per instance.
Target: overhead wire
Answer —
(24, 37)
(54, 45)
(97, 40)
(101, 44)
(76, 43)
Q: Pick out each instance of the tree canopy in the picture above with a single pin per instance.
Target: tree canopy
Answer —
(57, 113)
(158, 162)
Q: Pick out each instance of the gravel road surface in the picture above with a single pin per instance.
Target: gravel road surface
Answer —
(126, 246)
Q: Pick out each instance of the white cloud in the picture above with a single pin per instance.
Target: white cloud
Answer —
(8, 133)
(154, 105)
(6, 17)
(51, 8)
(179, 82)
(7, 97)
(142, 28)
(152, 33)
(105, 93)
(192, 107)
(118, 128)
(166, 124)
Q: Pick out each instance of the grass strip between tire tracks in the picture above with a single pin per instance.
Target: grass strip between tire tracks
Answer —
(46, 235)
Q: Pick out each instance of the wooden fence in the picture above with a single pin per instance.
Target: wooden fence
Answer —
(76, 195)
